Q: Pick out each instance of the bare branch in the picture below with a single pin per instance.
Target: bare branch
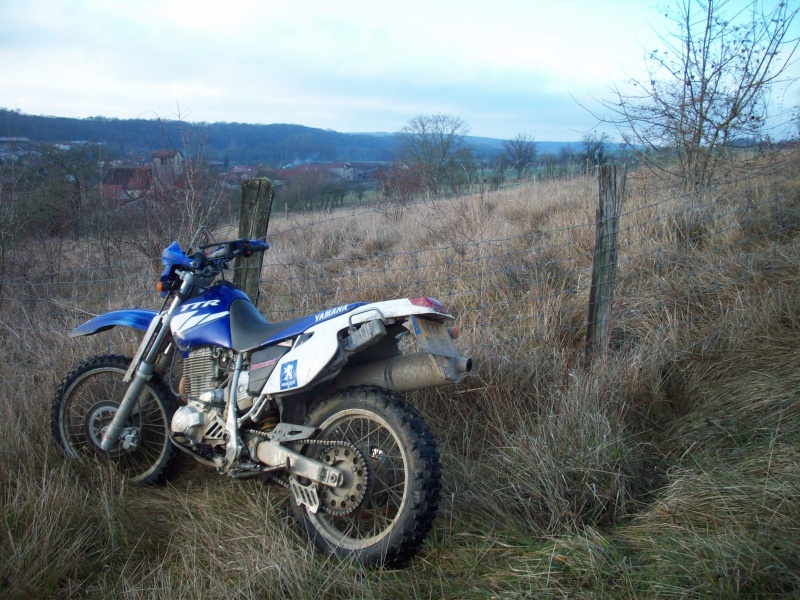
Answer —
(707, 87)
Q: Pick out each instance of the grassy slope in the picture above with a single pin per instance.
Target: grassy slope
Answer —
(669, 469)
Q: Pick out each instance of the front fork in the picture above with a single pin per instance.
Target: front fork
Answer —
(143, 366)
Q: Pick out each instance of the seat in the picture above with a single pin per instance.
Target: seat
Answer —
(249, 328)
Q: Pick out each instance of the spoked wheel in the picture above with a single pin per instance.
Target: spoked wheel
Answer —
(386, 521)
(88, 399)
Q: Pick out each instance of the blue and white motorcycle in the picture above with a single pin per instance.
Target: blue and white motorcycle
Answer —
(313, 403)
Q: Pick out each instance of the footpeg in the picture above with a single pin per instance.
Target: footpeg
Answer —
(305, 495)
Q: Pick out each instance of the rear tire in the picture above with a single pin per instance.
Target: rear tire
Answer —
(398, 509)
(86, 401)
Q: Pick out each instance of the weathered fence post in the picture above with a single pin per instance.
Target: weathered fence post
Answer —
(257, 197)
(604, 271)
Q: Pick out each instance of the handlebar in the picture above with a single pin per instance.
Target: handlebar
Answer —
(216, 255)
(208, 262)
(225, 251)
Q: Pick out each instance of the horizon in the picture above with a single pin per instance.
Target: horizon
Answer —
(205, 123)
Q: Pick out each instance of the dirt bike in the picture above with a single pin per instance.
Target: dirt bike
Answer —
(314, 403)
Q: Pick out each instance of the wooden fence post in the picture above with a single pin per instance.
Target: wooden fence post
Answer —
(257, 195)
(604, 271)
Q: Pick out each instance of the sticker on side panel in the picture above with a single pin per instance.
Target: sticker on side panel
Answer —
(289, 375)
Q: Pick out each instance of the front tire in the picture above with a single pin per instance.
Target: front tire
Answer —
(391, 522)
(87, 400)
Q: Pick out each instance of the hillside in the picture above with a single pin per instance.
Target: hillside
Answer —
(666, 468)
(275, 144)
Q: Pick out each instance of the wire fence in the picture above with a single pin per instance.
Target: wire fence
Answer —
(515, 271)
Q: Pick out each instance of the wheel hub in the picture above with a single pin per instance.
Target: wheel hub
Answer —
(98, 418)
(346, 498)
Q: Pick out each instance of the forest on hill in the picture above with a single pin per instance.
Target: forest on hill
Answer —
(236, 142)
(276, 143)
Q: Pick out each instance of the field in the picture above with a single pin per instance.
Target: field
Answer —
(668, 467)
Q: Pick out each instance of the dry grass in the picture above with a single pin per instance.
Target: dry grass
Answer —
(667, 468)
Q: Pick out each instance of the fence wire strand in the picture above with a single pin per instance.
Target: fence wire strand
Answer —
(683, 261)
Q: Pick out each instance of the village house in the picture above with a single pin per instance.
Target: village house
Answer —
(168, 167)
(347, 172)
(124, 184)
(13, 148)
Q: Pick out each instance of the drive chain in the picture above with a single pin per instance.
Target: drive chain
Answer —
(352, 505)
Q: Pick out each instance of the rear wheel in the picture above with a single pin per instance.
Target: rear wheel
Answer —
(388, 521)
(88, 399)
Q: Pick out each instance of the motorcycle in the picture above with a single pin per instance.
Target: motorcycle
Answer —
(313, 403)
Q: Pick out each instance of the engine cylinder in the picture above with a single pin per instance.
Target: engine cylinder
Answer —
(199, 372)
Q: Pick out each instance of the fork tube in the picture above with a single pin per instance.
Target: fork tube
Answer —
(143, 371)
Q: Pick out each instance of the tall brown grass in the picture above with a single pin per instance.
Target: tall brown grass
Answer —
(667, 467)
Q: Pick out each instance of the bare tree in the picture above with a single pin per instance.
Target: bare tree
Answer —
(595, 148)
(707, 86)
(181, 197)
(71, 173)
(435, 144)
(520, 152)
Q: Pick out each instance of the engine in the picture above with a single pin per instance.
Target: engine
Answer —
(198, 423)
(204, 384)
(204, 373)
(201, 422)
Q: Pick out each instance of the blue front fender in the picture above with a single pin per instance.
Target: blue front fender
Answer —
(138, 318)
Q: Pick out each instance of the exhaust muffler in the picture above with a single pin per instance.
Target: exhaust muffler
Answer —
(407, 373)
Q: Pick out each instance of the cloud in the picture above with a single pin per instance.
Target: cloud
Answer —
(506, 67)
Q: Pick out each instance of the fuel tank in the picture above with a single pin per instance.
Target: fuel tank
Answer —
(205, 320)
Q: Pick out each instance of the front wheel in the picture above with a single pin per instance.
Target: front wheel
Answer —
(87, 400)
(386, 524)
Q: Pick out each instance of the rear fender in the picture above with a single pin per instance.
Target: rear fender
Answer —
(135, 318)
(302, 365)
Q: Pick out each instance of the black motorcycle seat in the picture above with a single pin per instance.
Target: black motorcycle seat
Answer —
(249, 328)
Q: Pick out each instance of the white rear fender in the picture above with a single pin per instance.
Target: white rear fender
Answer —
(400, 308)
(303, 364)
(388, 309)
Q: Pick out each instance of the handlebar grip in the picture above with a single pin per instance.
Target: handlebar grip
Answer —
(198, 260)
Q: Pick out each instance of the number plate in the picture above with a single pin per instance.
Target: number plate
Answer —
(433, 337)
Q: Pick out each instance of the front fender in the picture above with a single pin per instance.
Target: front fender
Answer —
(137, 318)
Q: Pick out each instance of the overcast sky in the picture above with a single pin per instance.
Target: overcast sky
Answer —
(503, 66)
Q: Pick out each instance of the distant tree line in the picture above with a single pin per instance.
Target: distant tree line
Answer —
(435, 157)
(309, 189)
(276, 144)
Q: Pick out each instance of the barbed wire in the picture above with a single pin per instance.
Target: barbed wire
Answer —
(683, 259)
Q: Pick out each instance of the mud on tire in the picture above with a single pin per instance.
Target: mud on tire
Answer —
(398, 510)
(86, 401)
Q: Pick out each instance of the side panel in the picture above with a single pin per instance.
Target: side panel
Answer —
(262, 364)
(300, 367)
(302, 364)
(137, 318)
(205, 320)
